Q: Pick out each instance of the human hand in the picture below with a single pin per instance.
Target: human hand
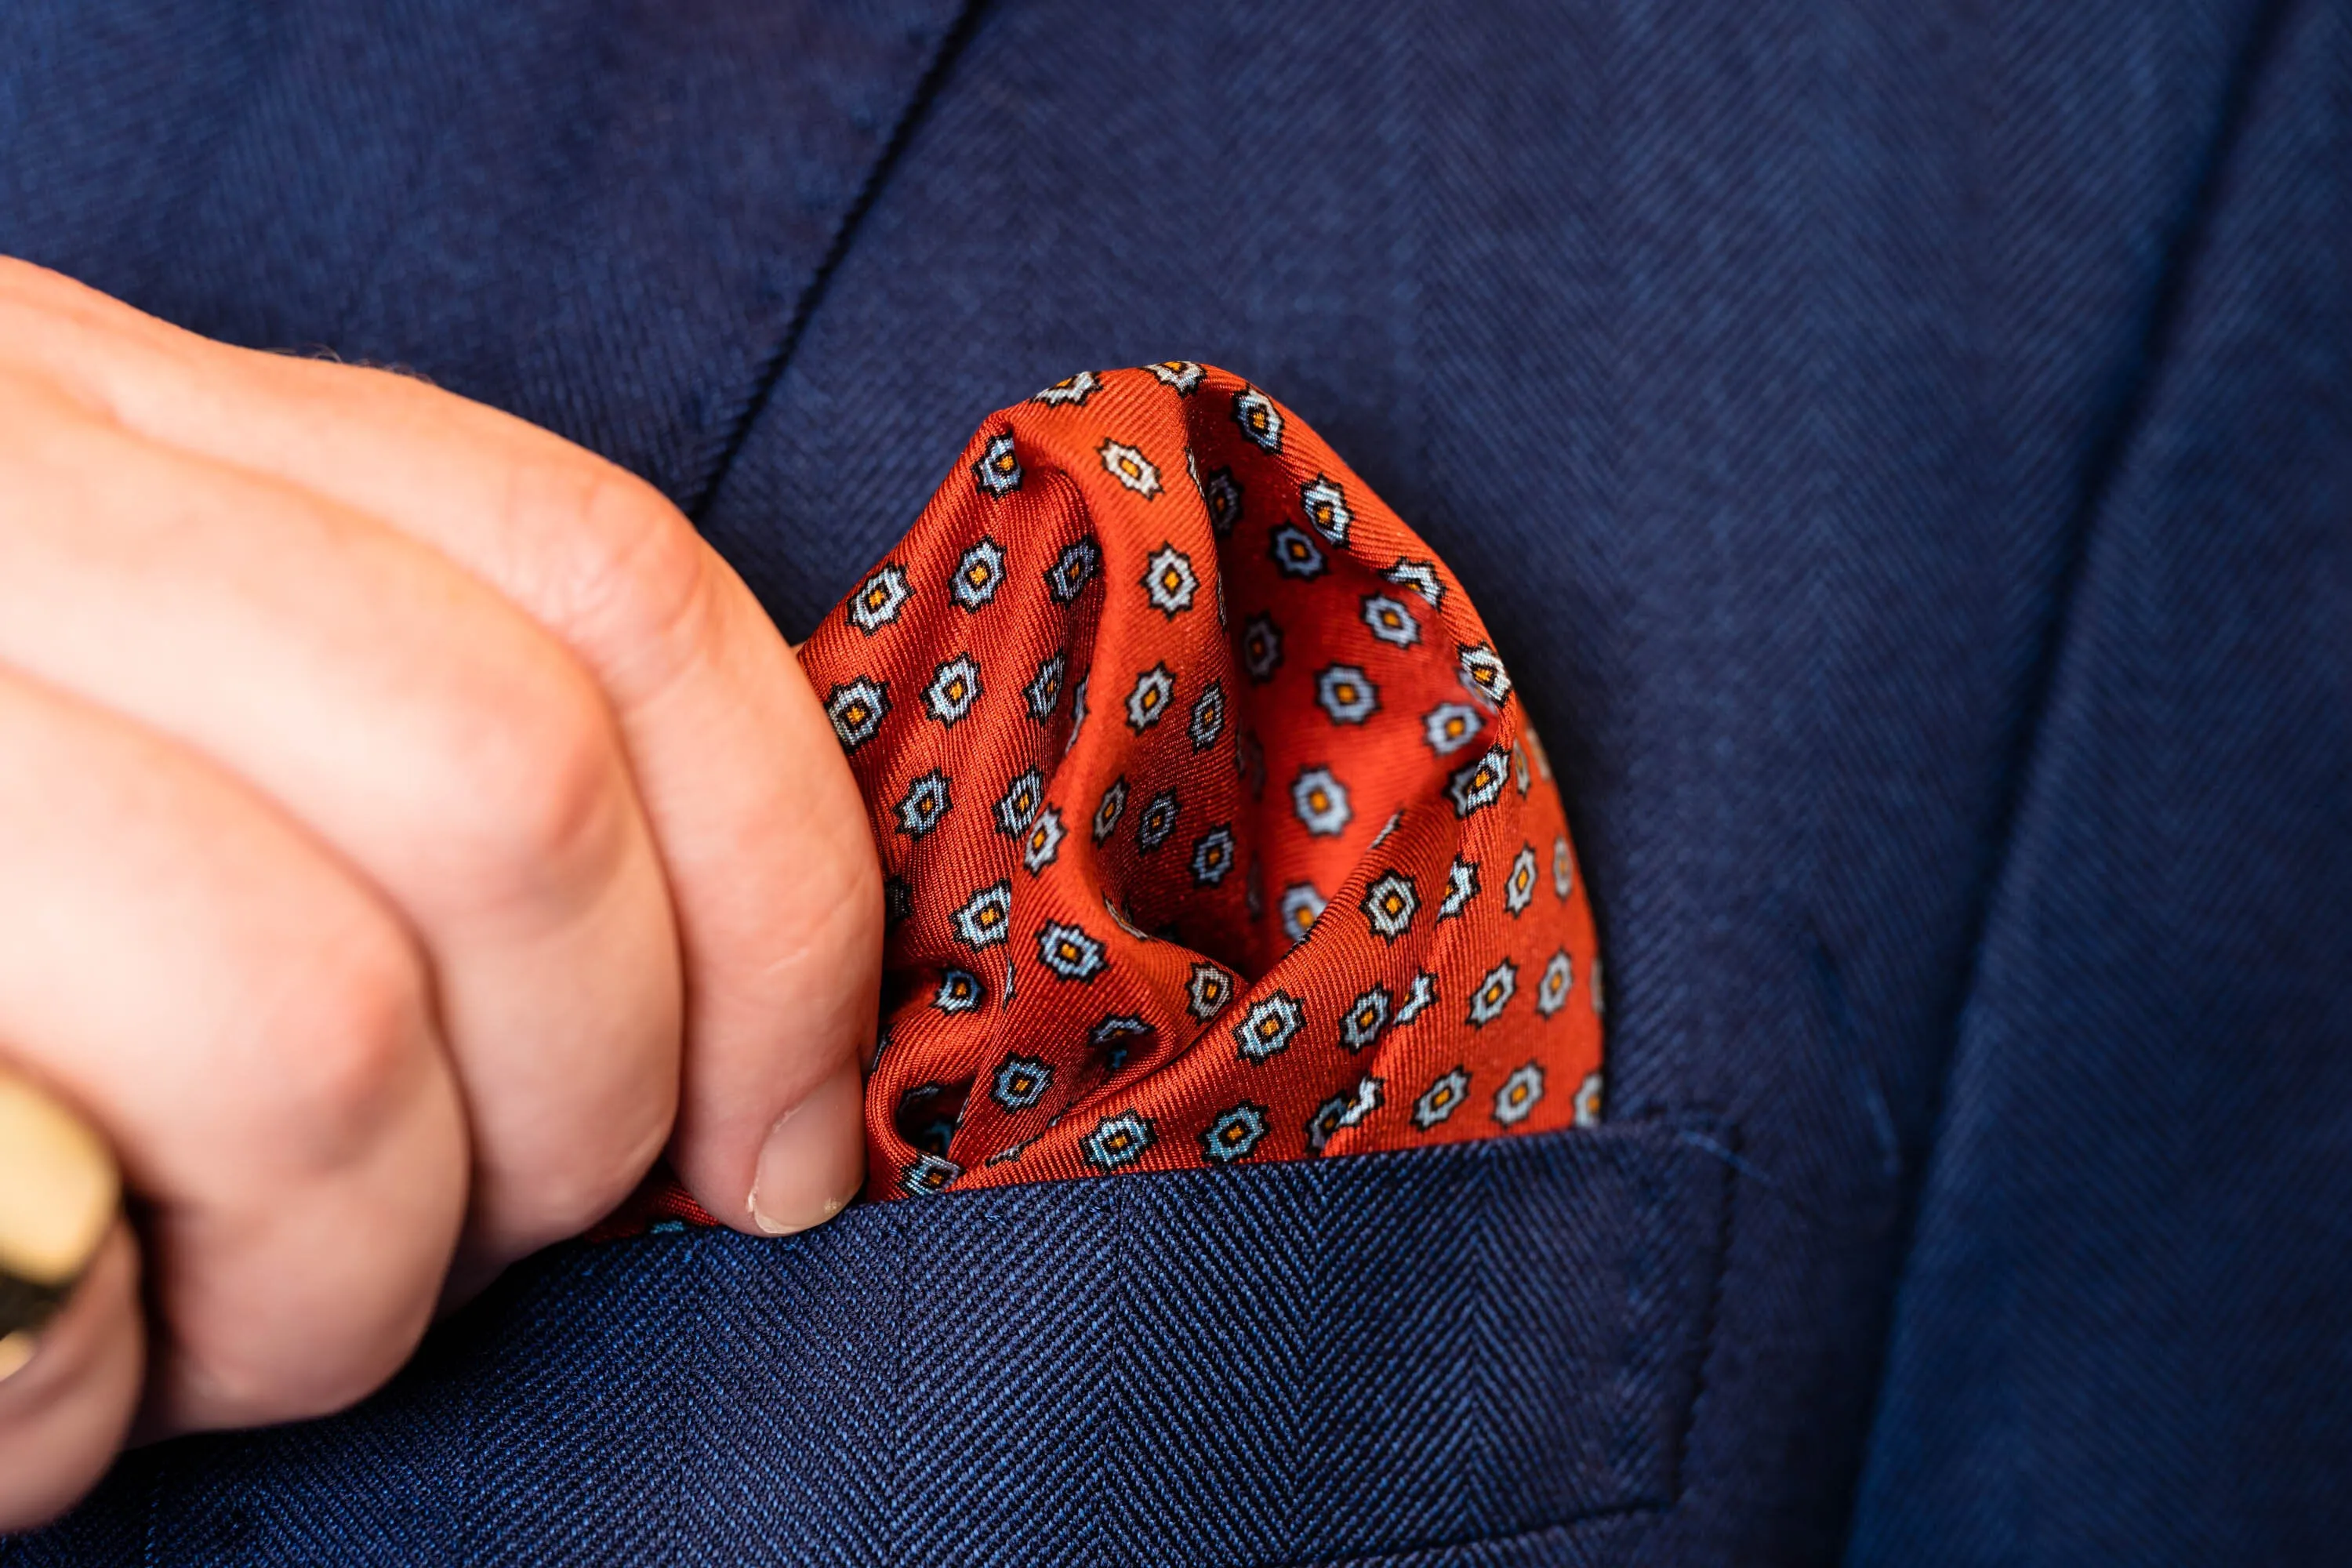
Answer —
(410, 829)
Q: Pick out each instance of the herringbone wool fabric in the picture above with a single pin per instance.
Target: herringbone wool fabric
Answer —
(1902, 449)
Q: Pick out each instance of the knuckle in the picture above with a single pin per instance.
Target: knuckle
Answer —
(43, 314)
(253, 1380)
(569, 1195)
(530, 799)
(838, 904)
(623, 570)
(347, 1037)
(27, 286)
(569, 1189)
(21, 319)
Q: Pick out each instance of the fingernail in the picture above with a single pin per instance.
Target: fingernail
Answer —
(57, 1193)
(814, 1159)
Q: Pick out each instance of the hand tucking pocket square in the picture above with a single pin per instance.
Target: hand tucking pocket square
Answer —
(1212, 830)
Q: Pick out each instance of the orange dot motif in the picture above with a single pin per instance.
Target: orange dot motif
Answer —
(1212, 829)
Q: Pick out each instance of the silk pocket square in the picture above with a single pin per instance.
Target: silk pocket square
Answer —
(1214, 831)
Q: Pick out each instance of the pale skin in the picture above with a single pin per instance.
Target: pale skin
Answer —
(411, 830)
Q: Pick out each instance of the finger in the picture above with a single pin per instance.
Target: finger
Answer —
(760, 822)
(251, 1029)
(433, 735)
(65, 1408)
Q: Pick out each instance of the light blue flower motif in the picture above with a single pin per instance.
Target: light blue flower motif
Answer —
(1117, 1140)
(1320, 801)
(855, 708)
(1450, 726)
(1129, 467)
(1519, 891)
(986, 917)
(1441, 1099)
(978, 575)
(1461, 886)
(1519, 1095)
(1294, 551)
(1044, 692)
(1366, 1017)
(1483, 675)
(1347, 694)
(1269, 1026)
(1108, 809)
(1479, 785)
(1420, 576)
(1343, 1110)
(1588, 1100)
(1154, 690)
(1208, 716)
(1259, 419)
(1389, 621)
(1326, 507)
(1181, 374)
(1208, 990)
(954, 688)
(1158, 821)
(924, 804)
(1071, 390)
(958, 992)
(1044, 841)
(1021, 1082)
(1169, 582)
(1494, 994)
(1389, 905)
(1302, 906)
(1073, 570)
(1418, 1000)
(1233, 1135)
(1261, 648)
(1069, 952)
(1223, 493)
(877, 603)
(928, 1174)
(998, 470)
(1213, 856)
(1559, 976)
(1017, 806)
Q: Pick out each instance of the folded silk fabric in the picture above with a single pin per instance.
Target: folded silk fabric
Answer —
(1211, 827)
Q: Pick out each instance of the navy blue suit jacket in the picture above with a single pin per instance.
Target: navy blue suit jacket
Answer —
(1904, 450)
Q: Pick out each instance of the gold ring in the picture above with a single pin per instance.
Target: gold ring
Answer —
(58, 1189)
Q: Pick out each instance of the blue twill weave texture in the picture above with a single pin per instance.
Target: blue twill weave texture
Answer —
(1902, 450)
(1319, 1362)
